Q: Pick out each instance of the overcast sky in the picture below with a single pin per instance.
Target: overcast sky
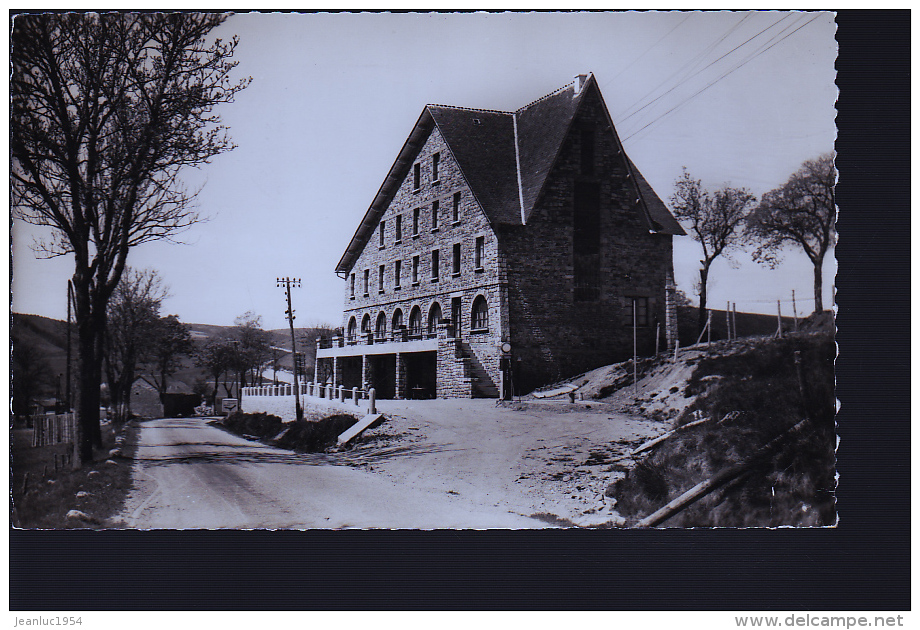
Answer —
(334, 97)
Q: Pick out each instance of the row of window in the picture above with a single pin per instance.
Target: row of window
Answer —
(479, 321)
(417, 173)
(433, 212)
(456, 259)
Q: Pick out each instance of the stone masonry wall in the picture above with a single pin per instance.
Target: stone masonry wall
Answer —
(469, 283)
(553, 335)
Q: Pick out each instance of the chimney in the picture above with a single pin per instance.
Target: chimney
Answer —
(580, 81)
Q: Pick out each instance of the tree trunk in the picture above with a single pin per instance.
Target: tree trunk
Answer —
(216, 390)
(819, 303)
(90, 342)
(89, 379)
(704, 279)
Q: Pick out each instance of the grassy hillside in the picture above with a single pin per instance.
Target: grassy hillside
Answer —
(747, 398)
(48, 336)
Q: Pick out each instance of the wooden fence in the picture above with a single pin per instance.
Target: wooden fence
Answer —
(52, 429)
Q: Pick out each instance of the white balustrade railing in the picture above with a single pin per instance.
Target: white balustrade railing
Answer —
(309, 389)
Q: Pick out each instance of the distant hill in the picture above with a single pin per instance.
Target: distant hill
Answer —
(50, 337)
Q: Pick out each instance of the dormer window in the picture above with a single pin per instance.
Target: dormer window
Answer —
(435, 159)
(417, 178)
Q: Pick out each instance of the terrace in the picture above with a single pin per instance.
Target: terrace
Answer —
(398, 341)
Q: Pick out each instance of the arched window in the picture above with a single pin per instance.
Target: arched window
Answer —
(480, 317)
(352, 329)
(415, 321)
(397, 320)
(365, 324)
(434, 318)
(381, 329)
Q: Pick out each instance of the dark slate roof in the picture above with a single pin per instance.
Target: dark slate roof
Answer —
(662, 219)
(542, 126)
(488, 153)
(482, 142)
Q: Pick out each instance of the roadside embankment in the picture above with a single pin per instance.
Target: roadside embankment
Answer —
(747, 406)
(318, 431)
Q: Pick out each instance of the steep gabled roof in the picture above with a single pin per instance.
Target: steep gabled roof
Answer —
(482, 143)
(662, 219)
(505, 158)
(542, 126)
(387, 191)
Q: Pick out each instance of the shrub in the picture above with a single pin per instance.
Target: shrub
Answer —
(314, 437)
(261, 425)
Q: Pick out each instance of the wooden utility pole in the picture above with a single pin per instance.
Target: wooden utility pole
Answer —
(286, 283)
(795, 314)
(734, 322)
(635, 353)
(728, 322)
(69, 326)
(779, 320)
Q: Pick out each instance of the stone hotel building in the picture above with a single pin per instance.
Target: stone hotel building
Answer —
(504, 251)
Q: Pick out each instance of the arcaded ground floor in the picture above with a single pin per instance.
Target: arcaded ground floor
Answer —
(416, 378)
(435, 368)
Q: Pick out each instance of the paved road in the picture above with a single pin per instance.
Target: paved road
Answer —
(189, 474)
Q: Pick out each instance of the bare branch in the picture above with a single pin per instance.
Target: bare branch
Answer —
(106, 112)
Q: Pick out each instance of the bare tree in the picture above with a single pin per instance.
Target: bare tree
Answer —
(715, 222)
(254, 345)
(170, 339)
(106, 110)
(801, 212)
(132, 315)
(216, 356)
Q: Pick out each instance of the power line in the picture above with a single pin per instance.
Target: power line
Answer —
(712, 83)
(687, 67)
(647, 50)
(683, 81)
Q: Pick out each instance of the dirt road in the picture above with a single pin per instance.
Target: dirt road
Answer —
(551, 459)
(189, 474)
